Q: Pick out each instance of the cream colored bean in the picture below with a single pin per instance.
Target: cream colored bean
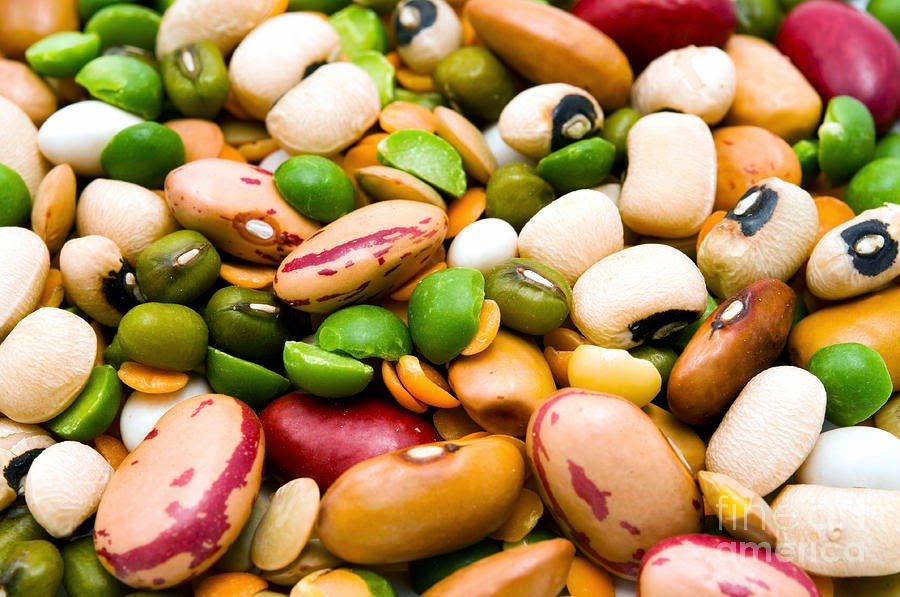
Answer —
(224, 22)
(617, 302)
(64, 485)
(77, 134)
(17, 452)
(311, 118)
(547, 117)
(286, 526)
(573, 233)
(857, 256)
(26, 89)
(854, 457)
(483, 244)
(694, 80)
(383, 183)
(298, 40)
(23, 271)
(671, 184)
(769, 233)
(53, 207)
(770, 429)
(840, 531)
(126, 213)
(19, 145)
(45, 361)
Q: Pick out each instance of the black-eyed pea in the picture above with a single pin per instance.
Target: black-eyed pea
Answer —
(23, 272)
(671, 184)
(128, 214)
(53, 207)
(609, 477)
(238, 208)
(18, 449)
(404, 505)
(302, 41)
(311, 118)
(502, 385)
(287, 524)
(857, 256)
(573, 233)
(425, 31)
(193, 21)
(748, 447)
(616, 303)
(769, 233)
(478, 160)
(547, 117)
(694, 80)
(691, 565)
(741, 511)
(45, 361)
(839, 531)
(98, 279)
(683, 439)
(64, 485)
(19, 145)
(536, 570)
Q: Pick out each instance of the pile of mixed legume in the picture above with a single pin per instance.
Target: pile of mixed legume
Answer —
(455, 298)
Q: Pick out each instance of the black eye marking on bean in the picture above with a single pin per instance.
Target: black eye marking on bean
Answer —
(18, 467)
(568, 111)
(659, 325)
(120, 289)
(870, 246)
(752, 214)
(407, 27)
(313, 67)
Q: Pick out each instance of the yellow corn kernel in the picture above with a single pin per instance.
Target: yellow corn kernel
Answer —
(614, 371)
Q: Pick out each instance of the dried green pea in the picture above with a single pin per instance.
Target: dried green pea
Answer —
(63, 54)
(248, 382)
(475, 83)
(846, 138)
(196, 79)
(360, 30)
(33, 568)
(615, 130)
(164, 335)
(581, 165)
(365, 331)
(444, 311)
(93, 410)
(325, 373)
(124, 82)
(380, 70)
(178, 268)
(125, 25)
(807, 151)
(515, 193)
(663, 357)
(84, 575)
(533, 297)
(316, 187)
(760, 18)
(425, 156)
(875, 184)
(888, 146)
(143, 154)
(15, 200)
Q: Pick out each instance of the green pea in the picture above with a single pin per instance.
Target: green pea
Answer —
(249, 382)
(381, 72)
(758, 17)
(250, 324)
(807, 151)
(681, 338)
(324, 6)
(177, 268)
(475, 83)
(15, 200)
(533, 298)
(62, 54)
(379, 6)
(888, 146)
(360, 30)
(856, 379)
(425, 156)
(365, 331)
(325, 373)
(17, 526)
(377, 585)
(615, 130)
(94, 410)
(875, 184)
(196, 79)
(663, 358)
(87, 8)
(428, 571)
(316, 187)
(124, 82)
(125, 25)
(84, 575)
(31, 569)
(164, 335)
(515, 193)
(444, 311)
(581, 165)
(427, 99)
(888, 12)
(143, 154)
(846, 138)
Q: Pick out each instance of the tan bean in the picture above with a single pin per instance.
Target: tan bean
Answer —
(224, 22)
(19, 145)
(23, 272)
(25, 88)
(53, 207)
